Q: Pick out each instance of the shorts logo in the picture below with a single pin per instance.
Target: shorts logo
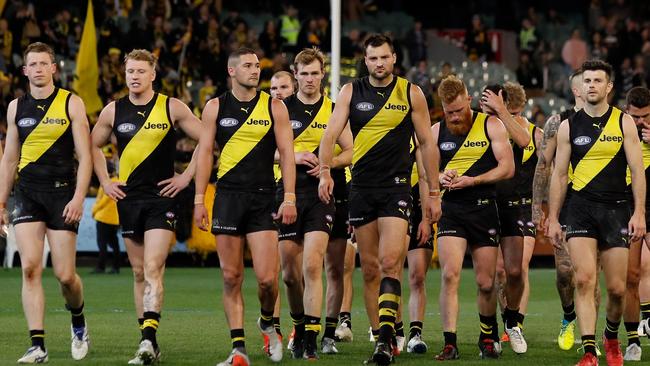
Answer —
(530, 224)
(447, 146)
(126, 128)
(295, 124)
(582, 140)
(624, 231)
(170, 215)
(402, 203)
(228, 122)
(492, 232)
(520, 223)
(26, 122)
(399, 180)
(365, 106)
(328, 218)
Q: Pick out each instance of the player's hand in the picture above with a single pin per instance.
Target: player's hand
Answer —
(325, 187)
(306, 158)
(554, 233)
(445, 178)
(424, 232)
(314, 171)
(538, 216)
(462, 182)
(4, 221)
(645, 134)
(493, 101)
(201, 219)
(73, 211)
(286, 214)
(112, 190)
(174, 185)
(636, 227)
(433, 209)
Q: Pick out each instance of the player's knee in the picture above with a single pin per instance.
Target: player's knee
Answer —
(501, 273)
(416, 280)
(66, 278)
(633, 278)
(32, 271)
(370, 272)
(153, 270)
(390, 265)
(616, 290)
(266, 285)
(450, 276)
(564, 278)
(138, 274)
(232, 279)
(585, 281)
(513, 273)
(485, 284)
(313, 271)
(335, 273)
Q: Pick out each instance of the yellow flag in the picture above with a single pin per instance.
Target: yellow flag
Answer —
(86, 77)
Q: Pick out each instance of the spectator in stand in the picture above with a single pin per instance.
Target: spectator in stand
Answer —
(270, 40)
(6, 42)
(290, 28)
(477, 43)
(419, 75)
(351, 44)
(416, 41)
(528, 74)
(574, 51)
(598, 48)
(528, 36)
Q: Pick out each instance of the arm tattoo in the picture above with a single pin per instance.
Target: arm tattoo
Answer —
(542, 176)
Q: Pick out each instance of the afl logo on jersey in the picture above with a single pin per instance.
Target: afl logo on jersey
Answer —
(446, 146)
(295, 124)
(228, 122)
(26, 122)
(365, 106)
(126, 128)
(582, 140)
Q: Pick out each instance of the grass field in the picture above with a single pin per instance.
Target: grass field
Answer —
(193, 329)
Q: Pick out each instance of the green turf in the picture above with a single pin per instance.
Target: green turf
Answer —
(193, 329)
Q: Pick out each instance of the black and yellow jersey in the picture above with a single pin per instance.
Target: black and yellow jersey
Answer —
(46, 142)
(510, 189)
(528, 165)
(380, 120)
(247, 142)
(469, 155)
(415, 176)
(146, 143)
(597, 156)
(645, 150)
(308, 122)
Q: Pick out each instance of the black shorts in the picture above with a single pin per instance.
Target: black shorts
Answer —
(367, 205)
(564, 211)
(43, 206)
(313, 215)
(527, 215)
(511, 220)
(416, 219)
(607, 223)
(476, 221)
(240, 212)
(139, 216)
(341, 219)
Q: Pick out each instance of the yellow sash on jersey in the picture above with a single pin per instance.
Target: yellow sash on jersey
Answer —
(600, 154)
(645, 149)
(383, 122)
(466, 156)
(146, 140)
(529, 150)
(45, 134)
(246, 137)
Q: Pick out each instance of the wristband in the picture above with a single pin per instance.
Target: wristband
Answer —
(434, 193)
(288, 203)
(3, 205)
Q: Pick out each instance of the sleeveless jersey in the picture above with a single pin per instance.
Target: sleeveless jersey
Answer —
(380, 120)
(469, 155)
(645, 150)
(528, 165)
(597, 156)
(146, 143)
(247, 142)
(46, 143)
(510, 189)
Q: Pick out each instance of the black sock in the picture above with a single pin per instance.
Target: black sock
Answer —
(389, 299)
(520, 320)
(38, 338)
(330, 327)
(298, 321)
(237, 338)
(150, 326)
(266, 318)
(489, 327)
(569, 312)
(415, 328)
(632, 333)
(503, 319)
(399, 329)
(346, 318)
(511, 317)
(589, 344)
(276, 324)
(312, 329)
(645, 310)
(140, 323)
(450, 338)
(78, 320)
(611, 329)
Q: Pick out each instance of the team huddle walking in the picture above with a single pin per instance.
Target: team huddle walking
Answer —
(298, 176)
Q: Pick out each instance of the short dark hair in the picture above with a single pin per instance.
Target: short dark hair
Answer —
(595, 65)
(236, 54)
(376, 40)
(638, 97)
(496, 88)
(39, 47)
(576, 73)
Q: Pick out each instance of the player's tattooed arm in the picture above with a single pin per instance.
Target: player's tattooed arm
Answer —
(543, 170)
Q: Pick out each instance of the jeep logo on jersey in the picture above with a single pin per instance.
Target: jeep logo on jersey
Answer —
(529, 148)
(365, 106)
(228, 122)
(582, 140)
(605, 138)
(126, 127)
(260, 122)
(446, 146)
(398, 107)
(155, 126)
(475, 144)
(54, 121)
(26, 122)
(318, 125)
(295, 124)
